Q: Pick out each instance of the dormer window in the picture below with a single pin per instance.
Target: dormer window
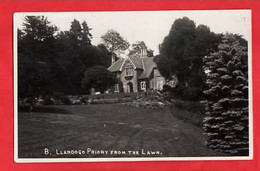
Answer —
(129, 72)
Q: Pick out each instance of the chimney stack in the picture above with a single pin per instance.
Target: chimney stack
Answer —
(143, 52)
(113, 59)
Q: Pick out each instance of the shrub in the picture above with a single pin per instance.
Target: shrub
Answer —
(150, 99)
(65, 100)
(48, 100)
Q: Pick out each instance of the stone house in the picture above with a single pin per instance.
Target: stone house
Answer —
(136, 74)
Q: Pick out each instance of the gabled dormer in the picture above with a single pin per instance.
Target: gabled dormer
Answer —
(128, 69)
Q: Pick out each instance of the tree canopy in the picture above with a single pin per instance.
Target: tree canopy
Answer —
(55, 61)
(35, 56)
(137, 47)
(114, 42)
(98, 77)
(182, 50)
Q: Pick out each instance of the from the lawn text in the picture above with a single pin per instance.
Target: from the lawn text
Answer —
(90, 151)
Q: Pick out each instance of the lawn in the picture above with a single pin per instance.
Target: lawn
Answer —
(107, 127)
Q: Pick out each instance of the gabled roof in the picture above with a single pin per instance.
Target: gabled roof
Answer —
(149, 65)
(137, 62)
(145, 64)
(116, 66)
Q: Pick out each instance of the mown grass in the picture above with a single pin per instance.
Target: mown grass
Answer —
(107, 127)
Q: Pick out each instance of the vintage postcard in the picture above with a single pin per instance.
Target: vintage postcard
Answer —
(132, 86)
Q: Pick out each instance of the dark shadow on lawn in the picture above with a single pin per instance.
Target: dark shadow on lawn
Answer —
(43, 109)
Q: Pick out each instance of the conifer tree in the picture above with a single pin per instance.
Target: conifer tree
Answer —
(226, 105)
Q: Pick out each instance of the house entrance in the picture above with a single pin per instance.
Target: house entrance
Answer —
(129, 87)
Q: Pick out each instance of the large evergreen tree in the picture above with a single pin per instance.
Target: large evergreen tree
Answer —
(181, 54)
(226, 105)
(51, 61)
(35, 56)
(76, 54)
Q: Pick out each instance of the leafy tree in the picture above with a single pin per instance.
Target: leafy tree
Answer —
(105, 55)
(174, 56)
(38, 28)
(80, 33)
(114, 42)
(86, 35)
(95, 55)
(226, 104)
(33, 78)
(74, 51)
(35, 56)
(99, 78)
(150, 53)
(181, 54)
(136, 49)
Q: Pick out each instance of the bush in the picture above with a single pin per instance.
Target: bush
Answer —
(48, 100)
(112, 96)
(150, 99)
(65, 100)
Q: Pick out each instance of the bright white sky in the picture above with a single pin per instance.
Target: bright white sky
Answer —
(149, 26)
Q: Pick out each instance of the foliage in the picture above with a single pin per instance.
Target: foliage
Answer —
(113, 96)
(38, 28)
(136, 49)
(51, 61)
(150, 99)
(99, 78)
(65, 100)
(226, 104)
(69, 46)
(48, 100)
(33, 78)
(114, 42)
(182, 50)
(34, 56)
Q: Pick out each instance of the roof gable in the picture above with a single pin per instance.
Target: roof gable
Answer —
(116, 66)
(137, 62)
(145, 64)
(127, 61)
(149, 65)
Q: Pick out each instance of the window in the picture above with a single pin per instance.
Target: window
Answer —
(159, 85)
(129, 71)
(143, 85)
(116, 87)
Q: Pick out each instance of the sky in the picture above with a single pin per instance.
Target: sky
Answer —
(148, 26)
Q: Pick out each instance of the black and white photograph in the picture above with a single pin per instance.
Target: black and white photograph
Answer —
(132, 86)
